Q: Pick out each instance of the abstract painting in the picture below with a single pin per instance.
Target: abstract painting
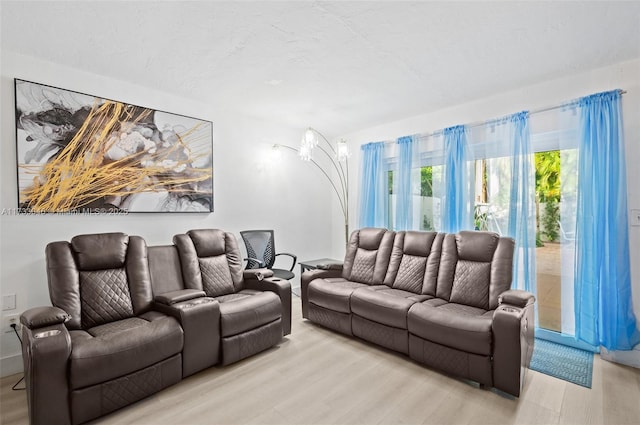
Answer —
(78, 152)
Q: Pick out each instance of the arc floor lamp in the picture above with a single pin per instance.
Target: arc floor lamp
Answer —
(335, 167)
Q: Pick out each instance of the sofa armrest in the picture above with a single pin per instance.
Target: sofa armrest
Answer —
(330, 266)
(310, 275)
(46, 348)
(282, 289)
(173, 297)
(256, 274)
(332, 270)
(200, 320)
(516, 297)
(513, 335)
(39, 317)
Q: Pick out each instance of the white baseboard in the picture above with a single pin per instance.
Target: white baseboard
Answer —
(11, 365)
(629, 358)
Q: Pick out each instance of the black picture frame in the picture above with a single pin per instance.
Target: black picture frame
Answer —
(82, 153)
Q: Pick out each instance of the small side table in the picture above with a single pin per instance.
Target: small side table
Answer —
(313, 264)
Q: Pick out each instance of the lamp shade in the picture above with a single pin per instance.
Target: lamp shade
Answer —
(342, 150)
(310, 138)
(305, 151)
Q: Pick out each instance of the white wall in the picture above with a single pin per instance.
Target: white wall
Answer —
(624, 76)
(249, 190)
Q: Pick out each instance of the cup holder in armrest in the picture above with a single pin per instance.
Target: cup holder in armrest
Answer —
(509, 309)
(46, 334)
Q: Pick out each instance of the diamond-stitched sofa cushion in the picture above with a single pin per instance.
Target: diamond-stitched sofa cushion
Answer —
(472, 276)
(471, 284)
(411, 273)
(104, 297)
(216, 277)
(363, 266)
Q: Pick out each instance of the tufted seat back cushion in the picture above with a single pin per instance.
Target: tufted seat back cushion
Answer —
(414, 262)
(104, 297)
(367, 256)
(99, 278)
(475, 267)
(216, 278)
(211, 261)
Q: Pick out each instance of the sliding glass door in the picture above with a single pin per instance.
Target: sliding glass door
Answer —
(551, 182)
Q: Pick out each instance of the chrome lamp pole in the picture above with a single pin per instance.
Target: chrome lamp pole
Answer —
(338, 157)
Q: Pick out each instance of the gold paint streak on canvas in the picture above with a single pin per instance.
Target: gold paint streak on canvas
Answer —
(78, 175)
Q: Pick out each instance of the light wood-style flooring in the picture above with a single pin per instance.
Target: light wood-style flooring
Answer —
(316, 376)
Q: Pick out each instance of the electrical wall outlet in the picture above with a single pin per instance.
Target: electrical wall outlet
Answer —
(8, 320)
(9, 302)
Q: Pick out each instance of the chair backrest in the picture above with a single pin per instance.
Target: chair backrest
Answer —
(414, 262)
(367, 256)
(260, 245)
(211, 261)
(99, 278)
(475, 268)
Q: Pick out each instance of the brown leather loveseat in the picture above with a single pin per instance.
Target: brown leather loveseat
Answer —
(128, 320)
(442, 299)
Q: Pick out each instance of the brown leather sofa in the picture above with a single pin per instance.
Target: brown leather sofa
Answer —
(252, 311)
(442, 299)
(129, 320)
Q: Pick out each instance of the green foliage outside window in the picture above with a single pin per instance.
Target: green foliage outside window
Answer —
(551, 219)
(426, 181)
(548, 192)
(548, 175)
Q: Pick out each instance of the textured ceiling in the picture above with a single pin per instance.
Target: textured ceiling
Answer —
(339, 66)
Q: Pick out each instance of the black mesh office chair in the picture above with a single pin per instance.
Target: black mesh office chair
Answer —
(262, 252)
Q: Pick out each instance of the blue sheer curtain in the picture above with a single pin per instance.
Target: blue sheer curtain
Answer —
(603, 308)
(522, 214)
(374, 196)
(510, 185)
(405, 181)
(458, 187)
